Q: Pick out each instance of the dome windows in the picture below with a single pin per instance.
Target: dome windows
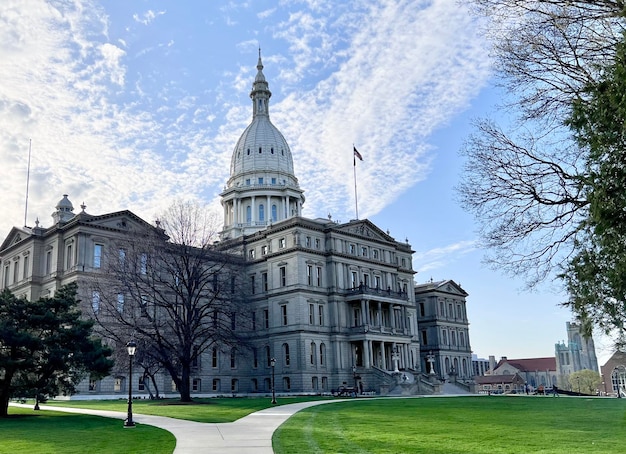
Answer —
(260, 150)
(248, 151)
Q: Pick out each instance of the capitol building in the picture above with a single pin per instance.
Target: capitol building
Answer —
(329, 304)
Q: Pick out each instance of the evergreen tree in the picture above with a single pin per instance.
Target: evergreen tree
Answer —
(46, 348)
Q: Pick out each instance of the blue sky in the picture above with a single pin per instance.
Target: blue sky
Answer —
(135, 104)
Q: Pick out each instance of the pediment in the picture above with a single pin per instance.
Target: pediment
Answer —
(121, 220)
(449, 286)
(364, 229)
(15, 236)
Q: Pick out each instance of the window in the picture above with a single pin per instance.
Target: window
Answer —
(16, 270)
(324, 383)
(322, 354)
(283, 312)
(216, 384)
(252, 286)
(248, 179)
(251, 254)
(274, 209)
(320, 313)
(25, 274)
(95, 301)
(283, 276)
(286, 383)
(445, 337)
(313, 351)
(248, 214)
(253, 320)
(255, 385)
(422, 309)
(264, 281)
(48, 262)
(143, 263)
(357, 317)
(375, 254)
(69, 259)
(120, 302)
(6, 275)
(377, 282)
(286, 357)
(261, 207)
(195, 385)
(214, 357)
(118, 384)
(263, 250)
(352, 249)
(255, 358)
(424, 338)
(121, 256)
(311, 314)
(317, 243)
(353, 279)
(364, 251)
(260, 178)
(233, 358)
(266, 318)
(281, 243)
(309, 274)
(307, 242)
(318, 276)
(233, 321)
(314, 383)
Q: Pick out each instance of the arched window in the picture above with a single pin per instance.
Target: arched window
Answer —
(274, 213)
(313, 351)
(464, 367)
(261, 212)
(447, 365)
(286, 354)
(248, 213)
(322, 354)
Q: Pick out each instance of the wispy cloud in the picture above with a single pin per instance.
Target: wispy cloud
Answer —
(439, 258)
(148, 17)
(123, 129)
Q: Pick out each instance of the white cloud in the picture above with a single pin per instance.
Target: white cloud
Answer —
(148, 17)
(439, 258)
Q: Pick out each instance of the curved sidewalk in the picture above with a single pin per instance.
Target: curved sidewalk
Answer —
(251, 434)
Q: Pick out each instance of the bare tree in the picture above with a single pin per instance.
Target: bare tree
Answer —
(523, 184)
(171, 290)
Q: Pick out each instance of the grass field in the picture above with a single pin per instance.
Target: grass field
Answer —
(48, 432)
(458, 425)
(213, 410)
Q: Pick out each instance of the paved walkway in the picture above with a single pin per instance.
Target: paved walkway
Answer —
(249, 435)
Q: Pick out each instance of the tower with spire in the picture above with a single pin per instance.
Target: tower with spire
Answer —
(262, 188)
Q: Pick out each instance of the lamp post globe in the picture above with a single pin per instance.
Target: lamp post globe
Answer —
(273, 364)
(131, 348)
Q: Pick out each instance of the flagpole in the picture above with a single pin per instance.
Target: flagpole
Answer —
(356, 198)
(30, 142)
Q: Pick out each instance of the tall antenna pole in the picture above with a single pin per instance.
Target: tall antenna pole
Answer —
(30, 143)
(356, 198)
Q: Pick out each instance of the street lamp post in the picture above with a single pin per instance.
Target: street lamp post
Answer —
(273, 364)
(131, 347)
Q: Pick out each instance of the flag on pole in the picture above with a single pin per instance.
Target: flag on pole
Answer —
(357, 154)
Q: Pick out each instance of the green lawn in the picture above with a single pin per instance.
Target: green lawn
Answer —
(27, 431)
(458, 425)
(213, 410)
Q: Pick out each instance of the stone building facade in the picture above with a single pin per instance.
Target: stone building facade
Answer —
(331, 303)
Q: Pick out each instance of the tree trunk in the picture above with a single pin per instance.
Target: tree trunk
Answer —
(185, 389)
(4, 403)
